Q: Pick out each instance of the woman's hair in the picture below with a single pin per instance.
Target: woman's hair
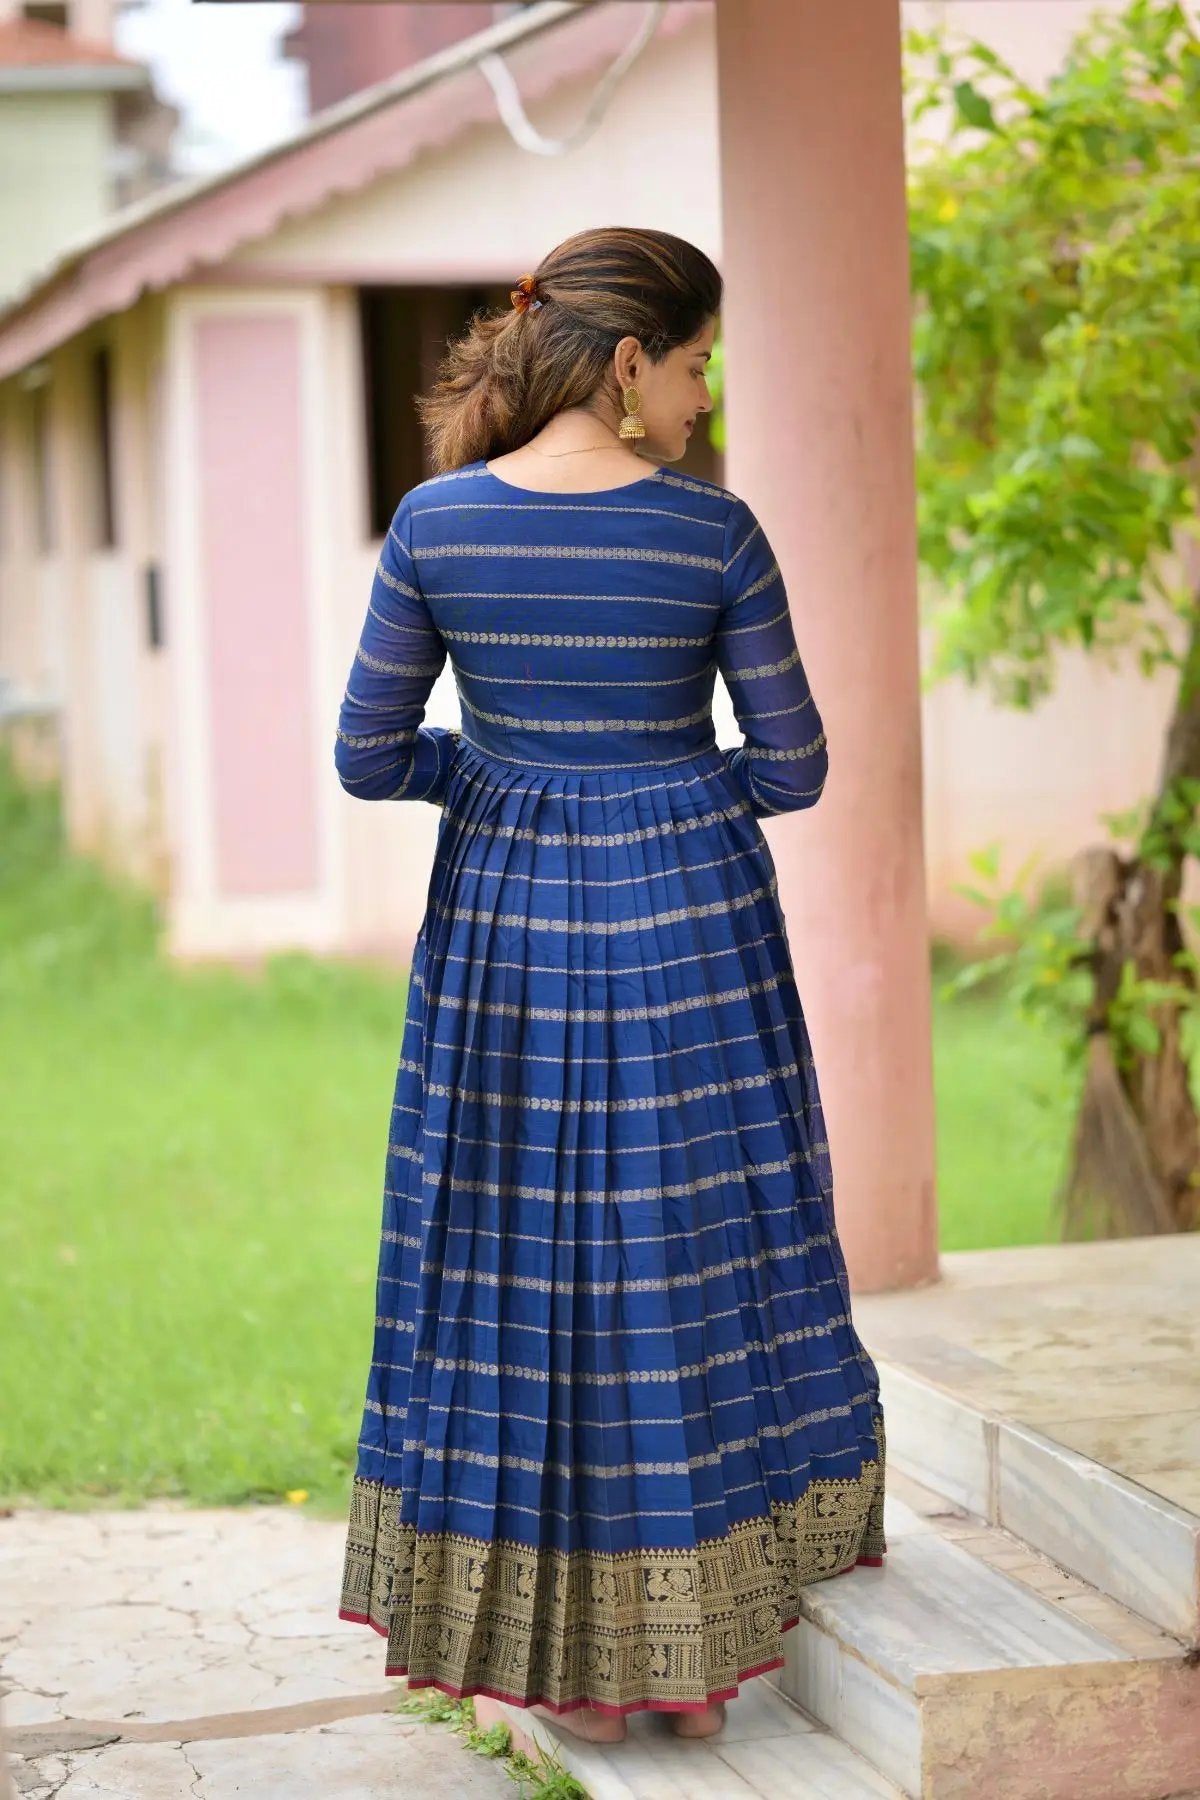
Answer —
(512, 371)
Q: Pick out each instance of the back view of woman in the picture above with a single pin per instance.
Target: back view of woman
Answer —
(618, 1413)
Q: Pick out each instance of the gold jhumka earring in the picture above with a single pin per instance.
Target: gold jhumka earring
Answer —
(631, 426)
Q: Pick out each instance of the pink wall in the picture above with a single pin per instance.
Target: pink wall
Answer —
(256, 603)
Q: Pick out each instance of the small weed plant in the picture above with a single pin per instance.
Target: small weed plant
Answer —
(538, 1777)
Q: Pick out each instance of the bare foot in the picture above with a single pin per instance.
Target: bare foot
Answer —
(586, 1722)
(699, 1724)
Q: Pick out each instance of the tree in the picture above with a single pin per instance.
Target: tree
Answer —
(1056, 275)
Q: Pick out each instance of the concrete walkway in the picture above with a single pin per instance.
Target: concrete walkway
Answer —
(170, 1654)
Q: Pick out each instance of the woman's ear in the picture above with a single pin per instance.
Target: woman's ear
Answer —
(625, 362)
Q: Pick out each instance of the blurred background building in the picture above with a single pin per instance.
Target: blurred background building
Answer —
(351, 47)
(206, 423)
(82, 131)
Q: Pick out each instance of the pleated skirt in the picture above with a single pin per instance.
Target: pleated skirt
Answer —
(618, 1414)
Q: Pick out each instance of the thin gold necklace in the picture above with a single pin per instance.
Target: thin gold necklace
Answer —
(553, 455)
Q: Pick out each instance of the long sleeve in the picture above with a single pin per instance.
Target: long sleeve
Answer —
(782, 763)
(383, 752)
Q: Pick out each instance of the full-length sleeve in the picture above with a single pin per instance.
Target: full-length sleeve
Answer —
(782, 763)
(383, 752)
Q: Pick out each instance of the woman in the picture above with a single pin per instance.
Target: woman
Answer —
(618, 1413)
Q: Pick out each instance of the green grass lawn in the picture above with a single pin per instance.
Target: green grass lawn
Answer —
(192, 1176)
(1005, 1113)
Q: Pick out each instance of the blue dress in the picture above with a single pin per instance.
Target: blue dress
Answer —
(618, 1413)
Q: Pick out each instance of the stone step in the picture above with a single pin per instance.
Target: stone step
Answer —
(1125, 1540)
(971, 1665)
(768, 1749)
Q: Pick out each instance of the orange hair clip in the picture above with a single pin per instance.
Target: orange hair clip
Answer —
(525, 295)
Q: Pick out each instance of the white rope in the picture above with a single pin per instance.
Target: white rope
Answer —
(512, 108)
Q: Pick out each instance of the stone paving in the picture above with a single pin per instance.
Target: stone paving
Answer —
(171, 1654)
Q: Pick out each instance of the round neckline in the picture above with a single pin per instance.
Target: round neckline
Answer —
(570, 493)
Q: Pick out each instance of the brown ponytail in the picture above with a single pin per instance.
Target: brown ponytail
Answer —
(512, 371)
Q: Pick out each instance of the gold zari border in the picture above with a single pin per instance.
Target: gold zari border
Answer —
(658, 1627)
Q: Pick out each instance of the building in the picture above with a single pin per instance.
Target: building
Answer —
(206, 427)
(82, 131)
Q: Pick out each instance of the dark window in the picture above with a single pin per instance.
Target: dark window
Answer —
(43, 473)
(404, 333)
(152, 580)
(49, 12)
(104, 517)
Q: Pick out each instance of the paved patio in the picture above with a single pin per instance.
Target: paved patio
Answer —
(170, 1654)
(1044, 1524)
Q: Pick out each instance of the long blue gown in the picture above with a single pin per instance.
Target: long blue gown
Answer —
(618, 1413)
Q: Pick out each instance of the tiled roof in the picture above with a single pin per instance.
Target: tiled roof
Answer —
(34, 44)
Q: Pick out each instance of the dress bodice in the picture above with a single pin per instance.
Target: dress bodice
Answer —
(585, 632)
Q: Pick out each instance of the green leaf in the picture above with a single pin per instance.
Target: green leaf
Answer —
(1143, 1034)
(974, 108)
(985, 861)
(1080, 449)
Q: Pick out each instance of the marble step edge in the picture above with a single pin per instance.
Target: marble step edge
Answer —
(767, 1740)
(1030, 1569)
(1138, 1547)
(946, 1667)
(1065, 1733)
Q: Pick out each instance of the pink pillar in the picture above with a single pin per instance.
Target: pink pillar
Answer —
(816, 324)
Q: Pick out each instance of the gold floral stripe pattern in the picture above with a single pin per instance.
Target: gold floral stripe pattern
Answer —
(770, 573)
(511, 720)
(530, 505)
(396, 583)
(383, 667)
(684, 483)
(513, 1414)
(664, 1627)
(683, 559)
(635, 1103)
(713, 1459)
(560, 1196)
(597, 839)
(640, 922)
(373, 743)
(532, 1237)
(564, 640)
(649, 1284)
(757, 587)
(596, 597)
(774, 668)
(810, 749)
(659, 1009)
(720, 1359)
(731, 859)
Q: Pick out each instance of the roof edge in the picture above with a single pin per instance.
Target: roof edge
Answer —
(461, 55)
(72, 78)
